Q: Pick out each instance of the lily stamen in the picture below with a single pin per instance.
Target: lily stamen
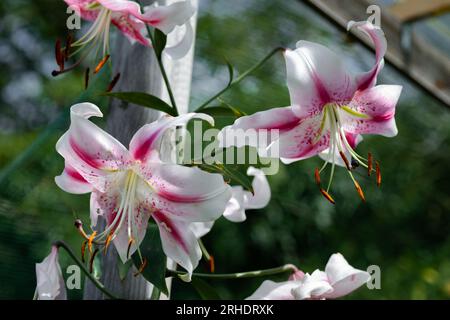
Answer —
(369, 164)
(378, 173)
(130, 243)
(101, 64)
(327, 196)
(317, 176)
(141, 267)
(83, 250)
(90, 240)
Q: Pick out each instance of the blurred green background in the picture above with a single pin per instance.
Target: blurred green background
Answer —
(403, 227)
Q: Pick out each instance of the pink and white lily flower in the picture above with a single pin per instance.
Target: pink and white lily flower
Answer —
(330, 108)
(127, 17)
(241, 200)
(129, 186)
(50, 282)
(338, 280)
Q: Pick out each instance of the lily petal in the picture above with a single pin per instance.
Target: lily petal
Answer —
(178, 241)
(92, 152)
(314, 286)
(378, 104)
(235, 209)
(316, 76)
(180, 49)
(50, 282)
(148, 138)
(270, 290)
(81, 8)
(166, 18)
(368, 79)
(261, 188)
(131, 27)
(187, 194)
(281, 119)
(304, 141)
(200, 229)
(71, 181)
(343, 277)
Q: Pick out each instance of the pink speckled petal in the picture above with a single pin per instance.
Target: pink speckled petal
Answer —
(147, 140)
(81, 8)
(368, 79)
(378, 103)
(92, 152)
(316, 76)
(302, 142)
(131, 27)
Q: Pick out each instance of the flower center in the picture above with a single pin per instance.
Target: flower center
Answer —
(340, 149)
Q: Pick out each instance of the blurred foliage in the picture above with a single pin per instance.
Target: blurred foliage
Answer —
(403, 227)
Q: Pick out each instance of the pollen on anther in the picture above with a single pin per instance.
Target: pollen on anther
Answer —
(378, 172)
(344, 158)
(101, 64)
(369, 164)
(327, 196)
(360, 191)
(317, 176)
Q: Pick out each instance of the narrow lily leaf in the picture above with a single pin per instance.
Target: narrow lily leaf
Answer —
(151, 249)
(160, 42)
(143, 99)
(230, 72)
(206, 291)
(123, 268)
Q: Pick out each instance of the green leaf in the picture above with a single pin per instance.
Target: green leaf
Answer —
(206, 291)
(151, 249)
(143, 99)
(230, 72)
(123, 268)
(160, 42)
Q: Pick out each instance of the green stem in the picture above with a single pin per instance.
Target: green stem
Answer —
(238, 275)
(98, 284)
(240, 78)
(161, 66)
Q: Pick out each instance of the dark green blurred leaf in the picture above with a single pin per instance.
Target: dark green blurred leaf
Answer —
(205, 290)
(151, 249)
(144, 100)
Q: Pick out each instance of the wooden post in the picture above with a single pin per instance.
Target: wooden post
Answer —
(140, 72)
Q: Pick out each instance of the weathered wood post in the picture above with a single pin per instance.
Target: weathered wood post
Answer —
(140, 72)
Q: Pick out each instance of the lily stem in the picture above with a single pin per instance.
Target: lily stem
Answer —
(161, 67)
(238, 275)
(98, 284)
(240, 78)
